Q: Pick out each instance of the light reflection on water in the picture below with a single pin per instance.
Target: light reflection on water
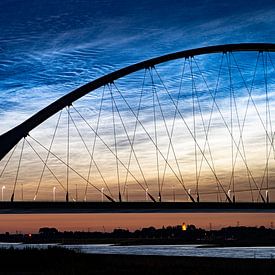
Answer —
(161, 250)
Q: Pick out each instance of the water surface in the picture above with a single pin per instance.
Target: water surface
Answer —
(161, 250)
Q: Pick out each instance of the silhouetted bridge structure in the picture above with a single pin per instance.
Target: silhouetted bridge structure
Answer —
(133, 207)
(193, 131)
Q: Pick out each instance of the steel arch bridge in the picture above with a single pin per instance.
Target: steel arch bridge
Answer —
(195, 125)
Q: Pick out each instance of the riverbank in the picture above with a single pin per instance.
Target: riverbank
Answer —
(150, 242)
(239, 236)
(64, 261)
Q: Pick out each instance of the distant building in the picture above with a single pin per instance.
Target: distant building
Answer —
(184, 227)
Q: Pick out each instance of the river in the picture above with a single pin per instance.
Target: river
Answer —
(161, 250)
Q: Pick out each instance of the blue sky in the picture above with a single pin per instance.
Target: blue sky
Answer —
(48, 48)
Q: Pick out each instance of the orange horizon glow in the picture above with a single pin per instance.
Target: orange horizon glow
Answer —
(30, 223)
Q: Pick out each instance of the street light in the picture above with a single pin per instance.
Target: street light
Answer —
(3, 187)
(102, 194)
(189, 194)
(266, 196)
(54, 191)
(127, 195)
(22, 191)
(229, 194)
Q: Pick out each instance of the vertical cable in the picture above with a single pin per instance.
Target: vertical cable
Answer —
(194, 130)
(134, 135)
(179, 178)
(173, 126)
(46, 165)
(90, 154)
(130, 142)
(47, 157)
(68, 153)
(71, 168)
(241, 142)
(115, 144)
(94, 143)
(17, 172)
(206, 143)
(206, 132)
(111, 151)
(232, 179)
(267, 114)
(156, 135)
(6, 164)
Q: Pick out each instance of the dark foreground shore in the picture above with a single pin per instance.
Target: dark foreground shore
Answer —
(62, 261)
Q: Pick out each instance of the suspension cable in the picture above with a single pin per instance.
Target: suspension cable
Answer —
(194, 130)
(134, 134)
(241, 142)
(115, 144)
(151, 139)
(232, 178)
(245, 115)
(189, 130)
(87, 149)
(172, 147)
(204, 129)
(131, 145)
(94, 144)
(206, 143)
(68, 153)
(47, 166)
(71, 168)
(7, 162)
(237, 146)
(108, 147)
(156, 135)
(18, 168)
(173, 125)
(47, 157)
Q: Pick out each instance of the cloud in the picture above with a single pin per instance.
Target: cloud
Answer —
(47, 62)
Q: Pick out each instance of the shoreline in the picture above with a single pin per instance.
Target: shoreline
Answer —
(145, 242)
(65, 261)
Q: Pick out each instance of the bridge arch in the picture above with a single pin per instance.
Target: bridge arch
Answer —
(9, 139)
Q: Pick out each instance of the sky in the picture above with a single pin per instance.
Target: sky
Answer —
(105, 222)
(49, 48)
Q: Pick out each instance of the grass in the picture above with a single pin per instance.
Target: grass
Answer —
(56, 260)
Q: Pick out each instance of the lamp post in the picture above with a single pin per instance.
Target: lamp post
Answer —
(102, 194)
(229, 194)
(189, 194)
(54, 191)
(22, 192)
(127, 195)
(146, 194)
(266, 196)
(3, 188)
(174, 194)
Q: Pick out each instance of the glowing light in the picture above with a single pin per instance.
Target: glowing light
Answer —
(184, 227)
(102, 194)
(54, 193)
(3, 188)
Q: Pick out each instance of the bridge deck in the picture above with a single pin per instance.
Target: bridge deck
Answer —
(133, 207)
